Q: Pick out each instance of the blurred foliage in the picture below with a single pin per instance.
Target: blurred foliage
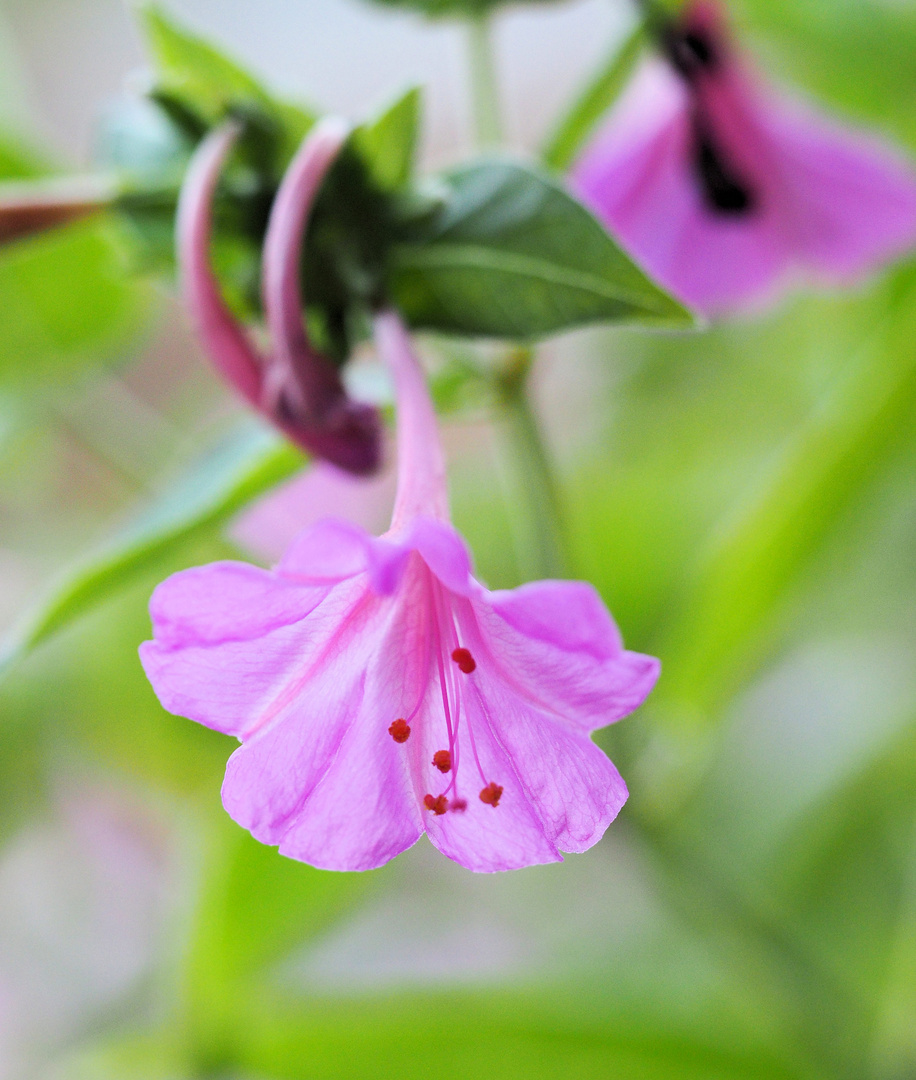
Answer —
(436, 9)
(744, 500)
(89, 315)
(67, 303)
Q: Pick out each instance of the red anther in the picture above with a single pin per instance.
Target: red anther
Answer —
(459, 805)
(400, 731)
(442, 759)
(464, 660)
(438, 804)
(491, 794)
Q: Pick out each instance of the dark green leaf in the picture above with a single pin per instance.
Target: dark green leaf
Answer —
(205, 497)
(511, 254)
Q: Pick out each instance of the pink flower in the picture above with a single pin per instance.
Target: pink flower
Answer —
(379, 690)
(725, 191)
(297, 388)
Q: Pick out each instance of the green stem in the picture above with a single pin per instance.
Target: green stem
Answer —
(531, 492)
(484, 85)
(575, 128)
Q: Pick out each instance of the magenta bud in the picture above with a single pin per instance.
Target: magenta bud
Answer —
(297, 388)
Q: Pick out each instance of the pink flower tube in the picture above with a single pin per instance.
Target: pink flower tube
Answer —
(297, 388)
(379, 690)
(725, 191)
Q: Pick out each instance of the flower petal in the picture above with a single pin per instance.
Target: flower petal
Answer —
(225, 601)
(559, 791)
(444, 551)
(330, 550)
(326, 781)
(853, 201)
(557, 646)
(485, 838)
(334, 549)
(230, 640)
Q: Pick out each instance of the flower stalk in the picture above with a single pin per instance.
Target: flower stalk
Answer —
(532, 499)
(484, 84)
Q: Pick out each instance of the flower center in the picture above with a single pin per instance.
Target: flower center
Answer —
(444, 643)
(690, 52)
(724, 192)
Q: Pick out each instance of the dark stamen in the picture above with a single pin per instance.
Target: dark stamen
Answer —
(724, 192)
(689, 52)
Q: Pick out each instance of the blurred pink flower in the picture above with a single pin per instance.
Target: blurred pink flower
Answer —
(297, 388)
(379, 690)
(268, 527)
(724, 190)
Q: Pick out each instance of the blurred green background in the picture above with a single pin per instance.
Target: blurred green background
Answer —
(743, 498)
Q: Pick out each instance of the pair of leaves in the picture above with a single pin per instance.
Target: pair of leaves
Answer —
(194, 75)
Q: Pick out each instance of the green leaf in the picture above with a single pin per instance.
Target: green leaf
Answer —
(719, 636)
(17, 162)
(511, 254)
(365, 204)
(210, 493)
(199, 78)
(388, 144)
(593, 103)
(195, 71)
(66, 303)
